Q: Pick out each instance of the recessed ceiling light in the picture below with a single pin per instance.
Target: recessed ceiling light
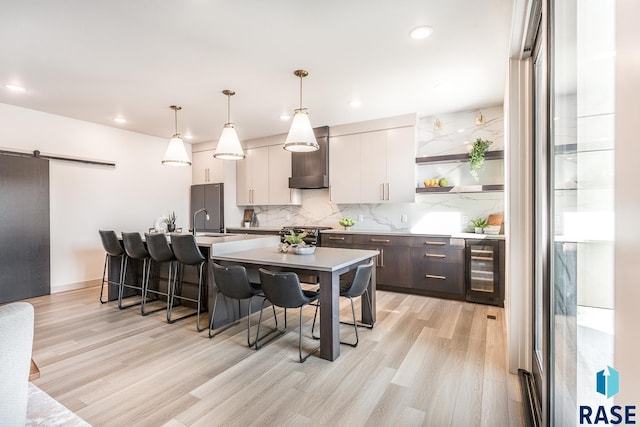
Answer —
(460, 130)
(188, 136)
(15, 88)
(441, 86)
(120, 120)
(285, 117)
(355, 103)
(421, 32)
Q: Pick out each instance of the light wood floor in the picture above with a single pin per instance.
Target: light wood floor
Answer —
(427, 362)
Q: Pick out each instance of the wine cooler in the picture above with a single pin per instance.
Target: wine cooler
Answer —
(484, 284)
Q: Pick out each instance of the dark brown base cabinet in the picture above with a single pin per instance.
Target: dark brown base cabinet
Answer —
(431, 266)
(438, 266)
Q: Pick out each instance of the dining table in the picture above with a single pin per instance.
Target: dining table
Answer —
(328, 264)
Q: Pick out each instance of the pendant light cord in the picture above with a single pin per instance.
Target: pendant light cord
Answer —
(301, 92)
(176, 119)
(229, 108)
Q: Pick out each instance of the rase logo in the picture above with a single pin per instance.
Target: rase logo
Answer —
(607, 384)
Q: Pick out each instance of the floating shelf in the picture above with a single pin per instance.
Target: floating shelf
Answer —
(464, 157)
(462, 189)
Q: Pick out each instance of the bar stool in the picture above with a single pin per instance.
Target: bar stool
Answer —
(160, 252)
(113, 249)
(134, 248)
(356, 288)
(187, 253)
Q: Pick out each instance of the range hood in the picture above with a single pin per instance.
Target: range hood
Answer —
(311, 169)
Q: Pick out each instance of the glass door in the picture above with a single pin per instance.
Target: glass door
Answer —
(582, 148)
(573, 73)
(541, 324)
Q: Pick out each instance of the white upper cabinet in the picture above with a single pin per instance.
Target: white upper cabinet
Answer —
(262, 178)
(205, 168)
(252, 177)
(375, 166)
(401, 167)
(344, 168)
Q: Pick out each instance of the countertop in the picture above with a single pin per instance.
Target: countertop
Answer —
(323, 259)
(245, 229)
(409, 233)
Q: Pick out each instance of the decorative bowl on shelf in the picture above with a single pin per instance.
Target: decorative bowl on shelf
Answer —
(303, 250)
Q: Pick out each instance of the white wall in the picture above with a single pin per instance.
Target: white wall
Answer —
(627, 202)
(86, 198)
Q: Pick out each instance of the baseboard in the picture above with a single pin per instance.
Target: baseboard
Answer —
(75, 286)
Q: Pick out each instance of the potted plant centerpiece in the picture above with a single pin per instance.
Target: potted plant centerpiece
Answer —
(297, 244)
(476, 156)
(170, 219)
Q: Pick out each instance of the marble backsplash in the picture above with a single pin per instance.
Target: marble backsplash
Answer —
(431, 212)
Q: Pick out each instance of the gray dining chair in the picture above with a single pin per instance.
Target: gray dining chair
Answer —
(283, 289)
(356, 288)
(233, 282)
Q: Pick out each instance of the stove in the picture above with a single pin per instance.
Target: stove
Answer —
(313, 232)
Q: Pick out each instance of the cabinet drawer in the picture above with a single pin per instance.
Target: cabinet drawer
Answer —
(380, 240)
(437, 255)
(439, 277)
(339, 240)
(437, 242)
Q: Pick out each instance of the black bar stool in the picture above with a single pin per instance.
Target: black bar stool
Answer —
(160, 252)
(113, 249)
(187, 252)
(135, 249)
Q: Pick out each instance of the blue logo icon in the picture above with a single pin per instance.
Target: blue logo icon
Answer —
(608, 382)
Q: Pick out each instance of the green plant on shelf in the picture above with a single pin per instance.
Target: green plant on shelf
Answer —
(476, 156)
(479, 222)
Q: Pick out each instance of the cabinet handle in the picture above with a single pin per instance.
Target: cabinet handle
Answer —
(382, 191)
(433, 276)
(435, 255)
(482, 258)
(380, 240)
(429, 242)
(387, 191)
(336, 238)
(381, 257)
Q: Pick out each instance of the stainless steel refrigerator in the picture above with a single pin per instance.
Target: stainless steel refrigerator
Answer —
(211, 198)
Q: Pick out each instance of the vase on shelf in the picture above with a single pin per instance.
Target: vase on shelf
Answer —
(479, 230)
(171, 228)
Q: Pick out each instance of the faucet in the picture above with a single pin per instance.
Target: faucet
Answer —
(194, 218)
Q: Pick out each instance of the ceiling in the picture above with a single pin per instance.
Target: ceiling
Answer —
(96, 60)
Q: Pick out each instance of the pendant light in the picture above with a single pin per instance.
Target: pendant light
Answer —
(301, 137)
(176, 154)
(229, 147)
